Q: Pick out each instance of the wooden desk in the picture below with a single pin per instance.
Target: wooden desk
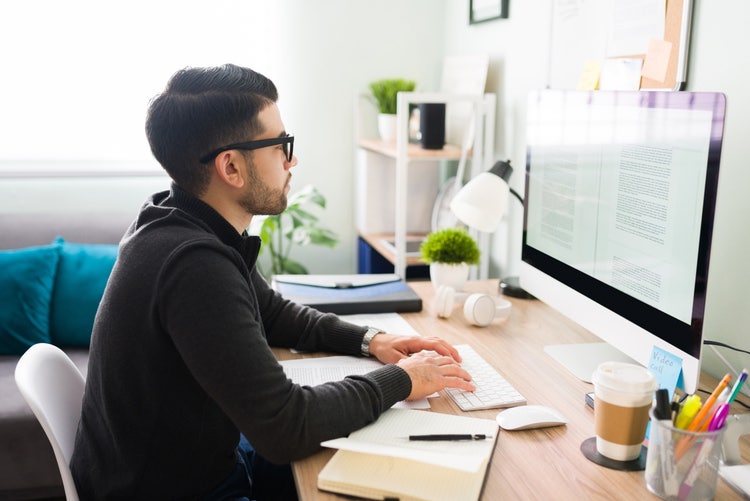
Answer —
(535, 464)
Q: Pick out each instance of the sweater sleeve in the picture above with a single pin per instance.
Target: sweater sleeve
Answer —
(291, 325)
(210, 310)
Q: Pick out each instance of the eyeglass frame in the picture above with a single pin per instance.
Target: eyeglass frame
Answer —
(287, 139)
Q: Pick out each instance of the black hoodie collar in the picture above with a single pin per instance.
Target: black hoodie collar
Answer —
(247, 245)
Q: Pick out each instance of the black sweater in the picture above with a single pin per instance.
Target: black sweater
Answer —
(180, 363)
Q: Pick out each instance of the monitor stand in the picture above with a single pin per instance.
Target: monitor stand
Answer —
(582, 359)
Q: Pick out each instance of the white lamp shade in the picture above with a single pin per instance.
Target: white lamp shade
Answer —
(482, 202)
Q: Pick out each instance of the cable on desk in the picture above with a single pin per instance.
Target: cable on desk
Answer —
(709, 342)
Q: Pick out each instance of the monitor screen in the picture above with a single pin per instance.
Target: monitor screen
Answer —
(619, 211)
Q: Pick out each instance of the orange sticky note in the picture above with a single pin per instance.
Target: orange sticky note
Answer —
(657, 60)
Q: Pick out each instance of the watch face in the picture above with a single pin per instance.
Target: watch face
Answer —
(442, 216)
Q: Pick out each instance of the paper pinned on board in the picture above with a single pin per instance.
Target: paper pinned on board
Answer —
(621, 74)
(657, 60)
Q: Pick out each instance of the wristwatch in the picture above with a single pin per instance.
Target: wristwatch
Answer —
(371, 333)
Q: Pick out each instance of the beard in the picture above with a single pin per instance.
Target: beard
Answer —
(261, 199)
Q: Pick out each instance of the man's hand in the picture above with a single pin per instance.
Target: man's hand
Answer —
(389, 348)
(430, 373)
(432, 363)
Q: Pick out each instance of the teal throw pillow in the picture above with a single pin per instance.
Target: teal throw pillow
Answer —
(81, 277)
(27, 277)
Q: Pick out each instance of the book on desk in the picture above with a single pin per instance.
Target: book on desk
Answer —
(349, 294)
(380, 462)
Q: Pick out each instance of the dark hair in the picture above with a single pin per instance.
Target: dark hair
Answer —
(202, 109)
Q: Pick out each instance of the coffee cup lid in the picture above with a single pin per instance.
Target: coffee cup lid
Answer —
(625, 377)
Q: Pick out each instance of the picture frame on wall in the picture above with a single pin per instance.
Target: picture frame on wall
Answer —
(487, 10)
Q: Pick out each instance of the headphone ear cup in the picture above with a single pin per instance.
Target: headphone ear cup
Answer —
(444, 299)
(502, 308)
(479, 309)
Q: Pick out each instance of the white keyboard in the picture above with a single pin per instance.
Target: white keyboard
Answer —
(492, 392)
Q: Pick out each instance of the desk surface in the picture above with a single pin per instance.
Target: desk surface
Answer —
(533, 464)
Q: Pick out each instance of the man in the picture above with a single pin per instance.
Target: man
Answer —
(180, 362)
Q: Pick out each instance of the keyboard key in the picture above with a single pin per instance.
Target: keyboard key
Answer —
(493, 391)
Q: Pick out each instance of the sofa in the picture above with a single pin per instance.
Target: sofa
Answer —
(53, 269)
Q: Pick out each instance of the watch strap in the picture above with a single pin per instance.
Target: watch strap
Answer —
(367, 339)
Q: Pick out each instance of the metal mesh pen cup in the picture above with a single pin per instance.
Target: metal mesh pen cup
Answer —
(681, 464)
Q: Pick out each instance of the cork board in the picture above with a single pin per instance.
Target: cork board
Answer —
(580, 30)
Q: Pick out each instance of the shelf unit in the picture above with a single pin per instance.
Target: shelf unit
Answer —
(380, 163)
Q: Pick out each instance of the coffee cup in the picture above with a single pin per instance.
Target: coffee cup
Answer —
(623, 396)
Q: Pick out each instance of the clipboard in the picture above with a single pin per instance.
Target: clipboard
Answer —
(349, 294)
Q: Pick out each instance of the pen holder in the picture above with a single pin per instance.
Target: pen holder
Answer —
(681, 464)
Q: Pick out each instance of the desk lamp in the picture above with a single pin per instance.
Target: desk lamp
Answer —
(481, 203)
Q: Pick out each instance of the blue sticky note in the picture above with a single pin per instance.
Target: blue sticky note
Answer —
(666, 368)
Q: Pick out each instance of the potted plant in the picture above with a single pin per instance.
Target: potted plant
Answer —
(384, 92)
(295, 226)
(449, 252)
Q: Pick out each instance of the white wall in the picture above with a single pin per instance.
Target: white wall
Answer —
(518, 48)
(720, 37)
(331, 50)
(320, 54)
(326, 52)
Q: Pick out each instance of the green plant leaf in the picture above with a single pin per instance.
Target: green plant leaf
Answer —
(296, 226)
(267, 229)
(385, 92)
(450, 245)
(292, 267)
(323, 236)
(301, 217)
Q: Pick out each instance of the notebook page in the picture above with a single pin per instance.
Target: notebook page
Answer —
(319, 370)
(388, 437)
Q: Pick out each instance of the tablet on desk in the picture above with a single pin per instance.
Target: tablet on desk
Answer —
(413, 246)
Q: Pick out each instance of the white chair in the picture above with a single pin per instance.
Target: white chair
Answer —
(53, 387)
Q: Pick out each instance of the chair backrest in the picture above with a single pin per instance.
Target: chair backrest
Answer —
(53, 387)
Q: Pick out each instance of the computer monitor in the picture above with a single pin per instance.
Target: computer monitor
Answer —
(619, 211)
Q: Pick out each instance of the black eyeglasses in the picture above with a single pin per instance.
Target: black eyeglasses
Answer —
(287, 140)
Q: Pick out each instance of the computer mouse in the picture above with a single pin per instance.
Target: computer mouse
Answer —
(526, 417)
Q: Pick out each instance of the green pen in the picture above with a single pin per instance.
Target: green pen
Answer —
(737, 386)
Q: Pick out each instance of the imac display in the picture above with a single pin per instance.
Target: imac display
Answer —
(619, 211)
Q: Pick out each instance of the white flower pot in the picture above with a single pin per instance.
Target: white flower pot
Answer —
(387, 127)
(452, 275)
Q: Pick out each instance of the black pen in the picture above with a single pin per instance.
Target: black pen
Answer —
(448, 436)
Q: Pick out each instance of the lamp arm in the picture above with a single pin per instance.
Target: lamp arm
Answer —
(515, 194)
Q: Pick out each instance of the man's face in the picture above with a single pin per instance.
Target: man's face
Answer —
(268, 171)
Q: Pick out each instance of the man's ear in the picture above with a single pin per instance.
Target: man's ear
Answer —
(228, 168)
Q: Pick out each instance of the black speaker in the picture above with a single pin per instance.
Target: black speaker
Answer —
(432, 125)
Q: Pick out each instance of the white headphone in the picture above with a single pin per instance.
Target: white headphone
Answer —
(479, 309)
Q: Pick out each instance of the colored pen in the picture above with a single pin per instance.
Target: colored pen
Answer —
(717, 421)
(720, 417)
(448, 436)
(684, 444)
(663, 413)
(703, 413)
(719, 402)
(737, 386)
